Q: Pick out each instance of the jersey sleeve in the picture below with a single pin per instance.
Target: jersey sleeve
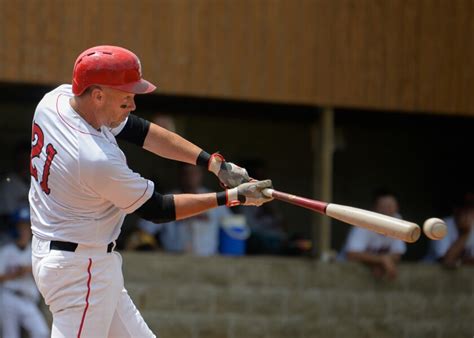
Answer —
(114, 181)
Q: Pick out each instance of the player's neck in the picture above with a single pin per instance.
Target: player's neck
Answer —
(85, 111)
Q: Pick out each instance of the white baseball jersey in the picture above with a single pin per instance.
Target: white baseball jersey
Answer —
(11, 258)
(81, 186)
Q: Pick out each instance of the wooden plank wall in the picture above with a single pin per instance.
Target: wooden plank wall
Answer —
(410, 55)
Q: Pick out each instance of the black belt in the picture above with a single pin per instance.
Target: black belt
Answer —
(69, 246)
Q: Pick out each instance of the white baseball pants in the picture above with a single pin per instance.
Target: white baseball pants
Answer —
(18, 311)
(85, 293)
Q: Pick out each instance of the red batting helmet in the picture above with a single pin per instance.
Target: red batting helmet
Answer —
(110, 66)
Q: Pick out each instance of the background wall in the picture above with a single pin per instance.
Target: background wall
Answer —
(398, 55)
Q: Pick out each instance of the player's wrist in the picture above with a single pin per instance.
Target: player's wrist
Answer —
(221, 197)
(230, 197)
(234, 198)
(212, 162)
(203, 159)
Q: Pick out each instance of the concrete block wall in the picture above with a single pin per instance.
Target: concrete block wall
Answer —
(220, 297)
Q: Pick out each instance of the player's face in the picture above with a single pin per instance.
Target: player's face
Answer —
(116, 106)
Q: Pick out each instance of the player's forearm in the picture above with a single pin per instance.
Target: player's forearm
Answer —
(188, 205)
(167, 144)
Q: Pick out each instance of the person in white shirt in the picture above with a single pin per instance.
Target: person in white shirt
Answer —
(82, 189)
(198, 235)
(379, 252)
(19, 301)
(457, 247)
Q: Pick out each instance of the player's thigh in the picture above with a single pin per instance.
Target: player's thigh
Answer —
(127, 321)
(82, 293)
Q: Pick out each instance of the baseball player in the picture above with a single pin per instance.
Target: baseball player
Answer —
(19, 293)
(81, 190)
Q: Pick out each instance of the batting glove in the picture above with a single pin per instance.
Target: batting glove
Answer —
(249, 194)
(229, 174)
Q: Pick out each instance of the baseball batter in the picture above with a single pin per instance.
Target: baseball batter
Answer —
(81, 190)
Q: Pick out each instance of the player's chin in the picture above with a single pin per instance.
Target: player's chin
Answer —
(115, 124)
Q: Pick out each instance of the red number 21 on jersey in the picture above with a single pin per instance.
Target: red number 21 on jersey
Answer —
(37, 143)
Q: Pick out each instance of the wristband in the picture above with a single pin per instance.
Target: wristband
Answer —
(203, 159)
(221, 198)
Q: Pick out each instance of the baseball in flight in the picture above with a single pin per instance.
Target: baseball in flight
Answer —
(435, 228)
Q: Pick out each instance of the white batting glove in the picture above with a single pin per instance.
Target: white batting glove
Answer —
(229, 174)
(249, 194)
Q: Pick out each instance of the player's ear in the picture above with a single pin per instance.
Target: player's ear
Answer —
(97, 94)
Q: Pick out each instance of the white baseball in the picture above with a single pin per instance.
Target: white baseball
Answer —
(435, 228)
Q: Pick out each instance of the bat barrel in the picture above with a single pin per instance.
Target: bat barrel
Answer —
(382, 224)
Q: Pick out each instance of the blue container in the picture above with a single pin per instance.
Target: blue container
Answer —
(232, 235)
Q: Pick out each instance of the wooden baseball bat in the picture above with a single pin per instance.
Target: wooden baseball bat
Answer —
(382, 224)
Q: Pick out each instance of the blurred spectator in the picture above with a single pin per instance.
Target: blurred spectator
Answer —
(266, 223)
(19, 293)
(267, 234)
(197, 235)
(379, 252)
(15, 185)
(4, 235)
(458, 246)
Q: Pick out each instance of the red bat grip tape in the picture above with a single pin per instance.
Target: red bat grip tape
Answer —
(307, 203)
